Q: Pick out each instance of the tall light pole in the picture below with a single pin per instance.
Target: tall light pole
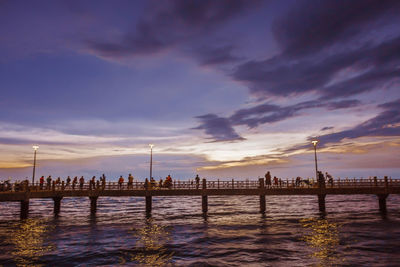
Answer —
(35, 148)
(315, 142)
(151, 160)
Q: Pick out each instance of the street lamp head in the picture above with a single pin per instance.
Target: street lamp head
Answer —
(35, 147)
(314, 142)
(151, 145)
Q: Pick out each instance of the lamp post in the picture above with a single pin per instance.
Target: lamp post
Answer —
(315, 142)
(151, 160)
(35, 148)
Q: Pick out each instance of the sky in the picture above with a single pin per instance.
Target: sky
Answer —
(223, 89)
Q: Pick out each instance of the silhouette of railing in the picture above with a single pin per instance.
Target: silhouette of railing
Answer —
(22, 192)
(214, 184)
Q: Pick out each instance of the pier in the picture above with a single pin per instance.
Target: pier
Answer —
(379, 187)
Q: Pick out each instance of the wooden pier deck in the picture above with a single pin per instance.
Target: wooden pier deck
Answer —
(379, 187)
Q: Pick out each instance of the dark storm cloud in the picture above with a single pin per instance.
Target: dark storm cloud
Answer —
(386, 123)
(266, 113)
(313, 25)
(216, 55)
(327, 128)
(327, 48)
(181, 21)
(220, 129)
(376, 66)
(342, 104)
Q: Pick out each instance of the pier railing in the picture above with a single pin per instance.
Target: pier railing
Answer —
(213, 184)
(22, 192)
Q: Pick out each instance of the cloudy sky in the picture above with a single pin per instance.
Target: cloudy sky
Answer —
(225, 88)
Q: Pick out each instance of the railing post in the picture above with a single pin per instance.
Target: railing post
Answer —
(204, 197)
(62, 185)
(262, 195)
(375, 181)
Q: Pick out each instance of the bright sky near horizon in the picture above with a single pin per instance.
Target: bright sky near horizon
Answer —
(226, 89)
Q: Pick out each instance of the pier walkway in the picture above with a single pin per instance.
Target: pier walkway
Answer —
(379, 187)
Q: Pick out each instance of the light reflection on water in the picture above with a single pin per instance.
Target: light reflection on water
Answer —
(150, 248)
(29, 240)
(322, 236)
(233, 233)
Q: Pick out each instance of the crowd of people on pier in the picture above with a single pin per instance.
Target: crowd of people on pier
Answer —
(299, 182)
(49, 183)
(80, 183)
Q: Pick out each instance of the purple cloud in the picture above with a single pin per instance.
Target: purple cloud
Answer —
(179, 23)
(386, 123)
(208, 56)
(311, 26)
(281, 76)
(219, 128)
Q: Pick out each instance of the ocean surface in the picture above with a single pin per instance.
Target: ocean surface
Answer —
(291, 233)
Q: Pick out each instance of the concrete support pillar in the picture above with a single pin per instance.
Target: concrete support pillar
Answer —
(93, 204)
(24, 209)
(204, 203)
(321, 202)
(204, 198)
(148, 204)
(382, 202)
(57, 204)
(262, 195)
(262, 203)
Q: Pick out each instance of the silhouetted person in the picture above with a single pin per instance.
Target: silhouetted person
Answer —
(275, 180)
(321, 179)
(48, 180)
(268, 179)
(298, 180)
(103, 181)
(120, 182)
(68, 180)
(160, 184)
(329, 178)
(146, 184)
(92, 183)
(81, 182)
(130, 181)
(41, 182)
(168, 181)
(197, 181)
(74, 182)
(152, 182)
